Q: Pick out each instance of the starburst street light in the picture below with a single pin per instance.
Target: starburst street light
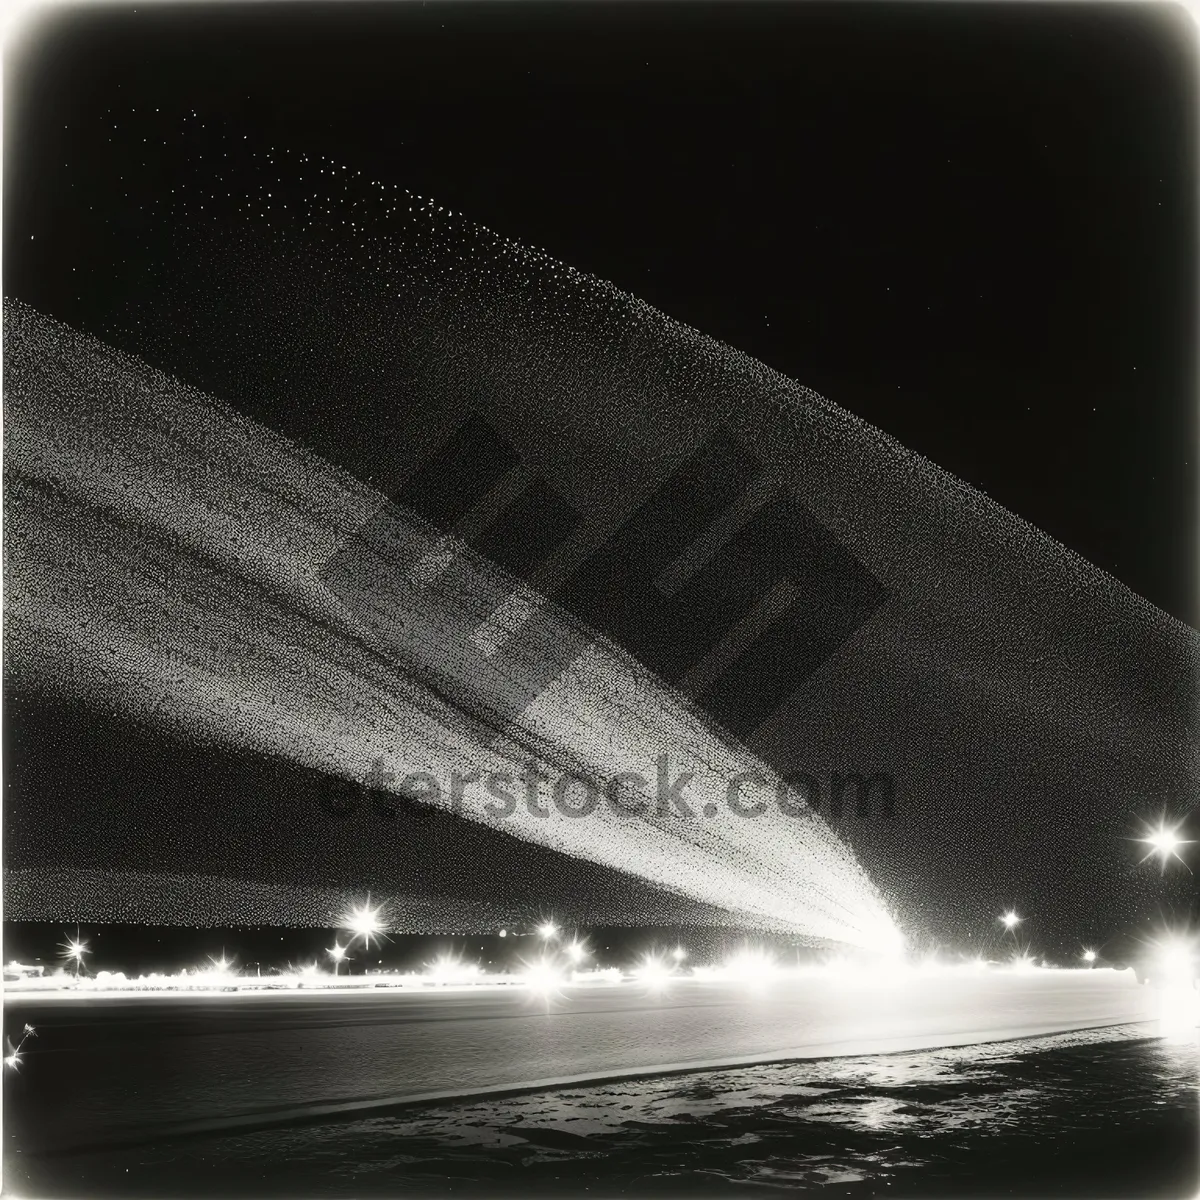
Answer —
(1165, 842)
(73, 950)
(577, 951)
(1089, 956)
(337, 953)
(364, 922)
(679, 954)
(547, 930)
(1010, 919)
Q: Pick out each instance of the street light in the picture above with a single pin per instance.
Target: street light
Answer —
(73, 950)
(679, 954)
(337, 952)
(363, 921)
(577, 951)
(548, 930)
(1165, 842)
(1089, 956)
(1011, 920)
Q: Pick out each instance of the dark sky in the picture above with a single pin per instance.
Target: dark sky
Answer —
(972, 225)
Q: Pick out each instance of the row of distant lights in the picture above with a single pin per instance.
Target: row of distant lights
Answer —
(364, 922)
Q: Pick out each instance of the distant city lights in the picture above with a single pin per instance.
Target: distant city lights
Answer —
(565, 961)
(550, 973)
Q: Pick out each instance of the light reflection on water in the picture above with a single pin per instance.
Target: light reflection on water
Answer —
(1084, 1114)
(874, 1121)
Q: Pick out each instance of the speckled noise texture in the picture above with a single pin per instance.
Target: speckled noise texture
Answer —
(166, 559)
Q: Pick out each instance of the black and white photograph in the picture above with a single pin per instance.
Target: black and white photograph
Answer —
(600, 598)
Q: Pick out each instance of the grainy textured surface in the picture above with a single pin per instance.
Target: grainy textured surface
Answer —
(1029, 708)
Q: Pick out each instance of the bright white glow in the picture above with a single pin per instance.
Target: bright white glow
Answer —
(449, 969)
(609, 976)
(1165, 842)
(1174, 965)
(653, 972)
(1089, 956)
(752, 965)
(73, 950)
(309, 969)
(1011, 920)
(548, 929)
(577, 952)
(1178, 1014)
(336, 952)
(1176, 960)
(544, 976)
(679, 954)
(364, 922)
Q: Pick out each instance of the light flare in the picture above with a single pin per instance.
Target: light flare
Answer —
(1165, 842)
(363, 921)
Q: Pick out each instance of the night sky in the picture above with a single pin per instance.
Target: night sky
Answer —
(972, 225)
